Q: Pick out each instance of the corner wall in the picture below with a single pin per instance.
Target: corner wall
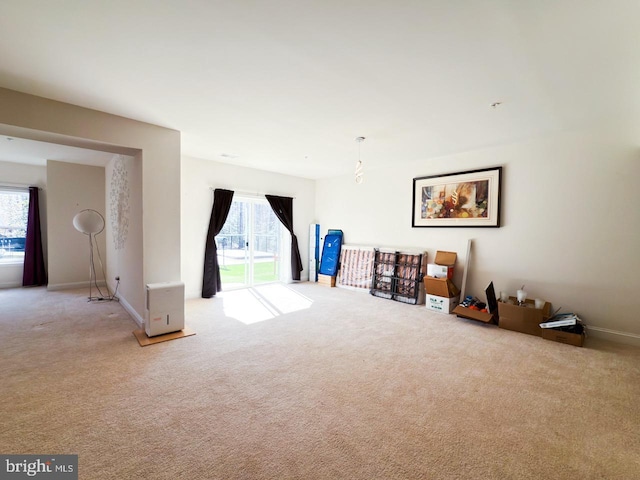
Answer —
(569, 214)
(72, 188)
(199, 176)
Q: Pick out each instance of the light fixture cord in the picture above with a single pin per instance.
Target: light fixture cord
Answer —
(359, 167)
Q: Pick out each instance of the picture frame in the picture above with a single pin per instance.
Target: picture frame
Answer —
(462, 199)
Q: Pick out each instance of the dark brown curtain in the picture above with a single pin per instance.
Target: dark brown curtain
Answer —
(211, 283)
(33, 273)
(283, 208)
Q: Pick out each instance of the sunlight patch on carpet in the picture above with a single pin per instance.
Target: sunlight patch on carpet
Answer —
(253, 305)
(283, 299)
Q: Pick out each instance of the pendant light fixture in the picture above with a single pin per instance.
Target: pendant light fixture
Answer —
(359, 167)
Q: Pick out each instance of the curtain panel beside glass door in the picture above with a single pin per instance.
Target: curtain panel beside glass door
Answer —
(283, 208)
(211, 283)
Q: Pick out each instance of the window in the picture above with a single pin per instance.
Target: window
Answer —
(249, 244)
(14, 210)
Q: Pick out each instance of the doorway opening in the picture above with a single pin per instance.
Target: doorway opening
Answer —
(250, 245)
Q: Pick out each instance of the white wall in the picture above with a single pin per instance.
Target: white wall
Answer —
(24, 175)
(570, 230)
(199, 176)
(72, 188)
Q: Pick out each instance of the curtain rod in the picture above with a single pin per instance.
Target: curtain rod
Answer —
(17, 185)
(252, 194)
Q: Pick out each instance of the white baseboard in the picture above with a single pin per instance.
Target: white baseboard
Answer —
(355, 289)
(193, 294)
(614, 335)
(137, 318)
(70, 286)
(10, 284)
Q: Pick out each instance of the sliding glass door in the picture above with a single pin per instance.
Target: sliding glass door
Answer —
(249, 245)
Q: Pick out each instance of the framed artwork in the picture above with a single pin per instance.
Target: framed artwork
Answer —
(463, 199)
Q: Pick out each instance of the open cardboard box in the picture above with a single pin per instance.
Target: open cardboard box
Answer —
(465, 312)
(486, 317)
(443, 266)
(440, 287)
(525, 319)
(562, 336)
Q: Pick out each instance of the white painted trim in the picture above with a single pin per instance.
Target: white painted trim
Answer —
(10, 285)
(69, 286)
(192, 294)
(350, 287)
(614, 335)
(14, 187)
(130, 310)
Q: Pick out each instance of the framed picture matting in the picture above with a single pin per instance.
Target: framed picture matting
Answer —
(463, 199)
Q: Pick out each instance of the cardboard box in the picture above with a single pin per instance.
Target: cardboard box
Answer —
(569, 338)
(465, 312)
(443, 266)
(327, 280)
(441, 304)
(525, 319)
(490, 316)
(439, 271)
(441, 287)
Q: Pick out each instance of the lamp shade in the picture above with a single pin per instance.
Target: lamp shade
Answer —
(88, 222)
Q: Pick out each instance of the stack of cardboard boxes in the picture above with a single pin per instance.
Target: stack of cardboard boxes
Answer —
(442, 294)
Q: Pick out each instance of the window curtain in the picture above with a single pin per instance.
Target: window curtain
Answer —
(33, 273)
(283, 209)
(211, 283)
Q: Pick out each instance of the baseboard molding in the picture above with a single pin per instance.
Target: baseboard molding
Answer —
(349, 287)
(614, 335)
(136, 317)
(73, 285)
(194, 294)
(10, 285)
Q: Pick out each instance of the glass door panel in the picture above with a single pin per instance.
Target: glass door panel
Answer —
(233, 247)
(249, 244)
(265, 245)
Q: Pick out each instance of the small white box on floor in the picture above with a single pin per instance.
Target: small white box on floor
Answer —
(442, 304)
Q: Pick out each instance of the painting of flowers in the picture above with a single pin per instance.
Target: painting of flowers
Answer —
(465, 199)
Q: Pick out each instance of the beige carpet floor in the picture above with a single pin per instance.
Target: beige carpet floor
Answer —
(310, 382)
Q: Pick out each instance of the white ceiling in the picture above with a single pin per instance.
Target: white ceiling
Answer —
(287, 86)
(33, 152)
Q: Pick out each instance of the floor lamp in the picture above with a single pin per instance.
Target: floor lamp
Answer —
(91, 223)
